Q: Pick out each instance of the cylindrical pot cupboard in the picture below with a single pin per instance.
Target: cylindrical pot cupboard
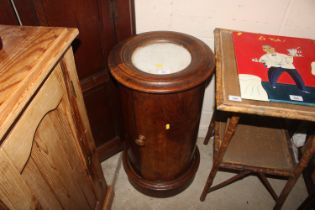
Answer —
(162, 77)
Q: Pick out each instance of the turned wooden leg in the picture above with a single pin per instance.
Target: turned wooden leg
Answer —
(210, 132)
(229, 132)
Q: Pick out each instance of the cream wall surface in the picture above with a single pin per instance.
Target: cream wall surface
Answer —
(200, 17)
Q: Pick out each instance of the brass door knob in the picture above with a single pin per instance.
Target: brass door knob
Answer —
(140, 141)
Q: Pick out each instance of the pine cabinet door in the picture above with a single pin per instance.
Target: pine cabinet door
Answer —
(41, 160)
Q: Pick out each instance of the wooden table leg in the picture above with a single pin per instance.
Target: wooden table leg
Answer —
(229, 132)
(210, 129)
(307, 155)
(308, 203)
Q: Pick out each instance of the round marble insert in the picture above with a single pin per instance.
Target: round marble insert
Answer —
(161, 58)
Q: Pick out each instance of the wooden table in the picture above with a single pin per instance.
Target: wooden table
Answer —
(253, 125)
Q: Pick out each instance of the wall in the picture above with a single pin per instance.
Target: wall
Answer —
(200, 17)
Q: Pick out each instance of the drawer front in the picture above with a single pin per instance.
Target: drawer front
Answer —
(43, 155)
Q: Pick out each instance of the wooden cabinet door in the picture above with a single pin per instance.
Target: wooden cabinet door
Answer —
(7, 15)
(102, 24)
(42, 164)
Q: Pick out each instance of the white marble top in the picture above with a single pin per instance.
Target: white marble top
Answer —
(161, 58)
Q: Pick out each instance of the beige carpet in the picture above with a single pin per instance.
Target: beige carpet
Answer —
(248, 193)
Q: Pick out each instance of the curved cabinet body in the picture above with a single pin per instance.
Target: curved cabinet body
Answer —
(161, 115)
(167, 158)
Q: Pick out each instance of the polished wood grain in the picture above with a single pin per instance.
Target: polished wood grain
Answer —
(164, 160)
(47, 149)
(161, 114)
(20, 78)
(23, 133)
(82, 127)
(27, 14)
(109, 22)
(3, 206)
(102, 24)
(13, 187)
(7, 15)
(194, 74)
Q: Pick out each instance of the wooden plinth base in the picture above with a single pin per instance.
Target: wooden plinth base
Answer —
(162, 188)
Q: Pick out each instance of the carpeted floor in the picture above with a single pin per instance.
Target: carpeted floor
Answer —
(245, 194)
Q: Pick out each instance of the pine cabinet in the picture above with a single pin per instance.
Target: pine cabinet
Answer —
(47, 152)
